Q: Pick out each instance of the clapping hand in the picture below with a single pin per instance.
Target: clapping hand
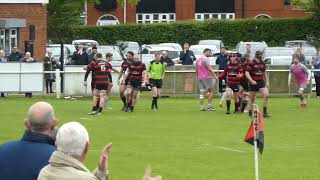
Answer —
(103, 163)
(147, 175)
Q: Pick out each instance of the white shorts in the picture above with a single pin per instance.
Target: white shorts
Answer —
(205, 84)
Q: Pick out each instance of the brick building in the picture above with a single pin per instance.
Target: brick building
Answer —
(23, 23)
(154, 11)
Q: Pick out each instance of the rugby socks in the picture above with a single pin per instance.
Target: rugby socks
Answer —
(301, 99)
(228, 105)
(236, 106)
(265, 110)
(124, 100)
(243, 105)
(94, 108)
(100, 109)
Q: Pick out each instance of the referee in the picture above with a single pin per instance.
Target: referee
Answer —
(156, 74)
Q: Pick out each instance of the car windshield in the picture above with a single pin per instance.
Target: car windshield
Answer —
(278, 52)
(171, 54)
(116, 55)
(309, 51)
(297, 43)
(56, 51)
(254, 47)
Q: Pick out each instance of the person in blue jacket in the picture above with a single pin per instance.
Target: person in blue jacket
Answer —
(23, 159)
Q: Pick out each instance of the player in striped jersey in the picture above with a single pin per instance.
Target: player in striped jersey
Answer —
(100, 69)
(135, 73)
(123, 84)
(259, 82)
(233, 72)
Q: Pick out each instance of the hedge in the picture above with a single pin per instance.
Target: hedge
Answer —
(274, 32)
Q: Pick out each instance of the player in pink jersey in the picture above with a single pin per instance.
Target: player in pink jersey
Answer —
(302, 76)
(204, 73)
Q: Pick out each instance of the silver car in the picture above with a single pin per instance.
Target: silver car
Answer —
(278, 55)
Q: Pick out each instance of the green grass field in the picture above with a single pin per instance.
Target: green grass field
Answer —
(181, 142)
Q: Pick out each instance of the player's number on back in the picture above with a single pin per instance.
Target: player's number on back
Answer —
(103, 68)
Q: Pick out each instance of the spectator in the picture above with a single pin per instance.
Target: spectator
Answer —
(93, 53)
(316, 66)
(165, 59)
(186, 56)
(27, 59)
(23, 159)
(49, 64)
(67, 161)
(222, 61)
(80, 57)
(3, 59)
(300, 56)
(248, 51)
(15, 55)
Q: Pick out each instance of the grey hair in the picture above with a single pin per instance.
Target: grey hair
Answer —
(72, 138)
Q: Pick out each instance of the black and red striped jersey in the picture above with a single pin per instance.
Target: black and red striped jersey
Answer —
(101, 69)
(232, 73)
(125, 64)
(256, 70)
(136, 70)
(244, 68)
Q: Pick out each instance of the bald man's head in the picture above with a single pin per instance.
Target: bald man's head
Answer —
(40, 117)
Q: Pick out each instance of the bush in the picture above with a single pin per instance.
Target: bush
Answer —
(273, 31)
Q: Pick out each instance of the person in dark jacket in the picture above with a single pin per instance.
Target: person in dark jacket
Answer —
(15, 55)
(187, 56)
(93, 53)
(165, 59)
(80, 57)
(222, 61)
(23, 159)
(49, 64)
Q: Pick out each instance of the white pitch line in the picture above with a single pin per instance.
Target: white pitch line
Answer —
(229, 149)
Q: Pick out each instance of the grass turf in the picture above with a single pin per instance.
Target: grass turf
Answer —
(181, 142)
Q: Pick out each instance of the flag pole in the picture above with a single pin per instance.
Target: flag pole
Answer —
(256, 136)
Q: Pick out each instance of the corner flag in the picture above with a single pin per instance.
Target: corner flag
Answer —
(255, 132)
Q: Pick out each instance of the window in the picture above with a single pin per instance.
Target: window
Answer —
(8, 39)
(155, 18)
(108, 19)
(204, 16)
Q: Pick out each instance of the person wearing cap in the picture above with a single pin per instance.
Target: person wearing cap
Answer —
(15, 55)
(259, 82)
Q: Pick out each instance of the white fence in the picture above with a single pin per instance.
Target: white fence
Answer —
(28, 77)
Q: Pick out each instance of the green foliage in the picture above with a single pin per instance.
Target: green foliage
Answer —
(302, 4)
(275, 31)
(129, 2)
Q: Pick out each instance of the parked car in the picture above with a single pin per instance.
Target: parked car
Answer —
(297, 44)
(173, 53)
(218, 43)
(309, 52)
(86, 42)
(255, 46)
(126, 46)
(198, 51)
(56, 52)
(117, 56)
(174, 45)
(278, 55)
